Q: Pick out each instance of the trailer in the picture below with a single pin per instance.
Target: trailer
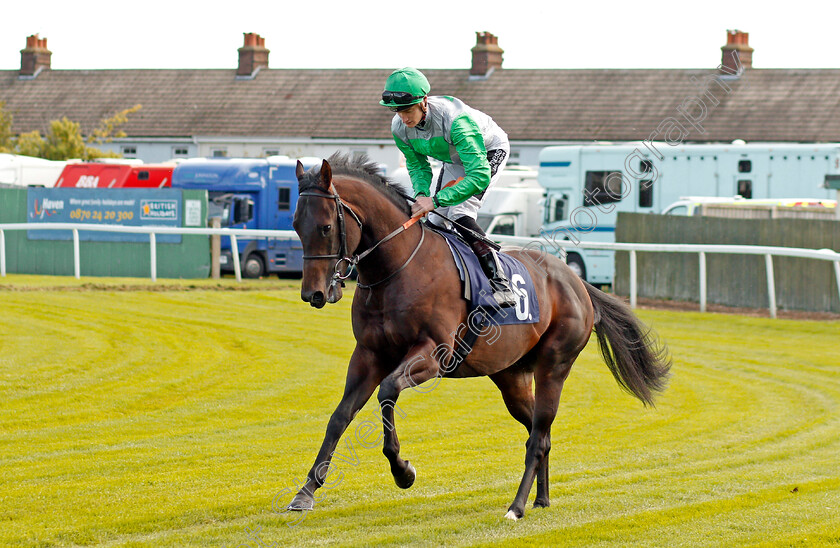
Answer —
(115, 175)
(588, 185)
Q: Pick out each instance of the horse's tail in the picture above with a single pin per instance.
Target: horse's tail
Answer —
(636, 358)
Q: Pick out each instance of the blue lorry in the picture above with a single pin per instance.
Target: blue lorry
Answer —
(258, 193)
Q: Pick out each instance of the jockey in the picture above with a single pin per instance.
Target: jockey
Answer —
(473, 149)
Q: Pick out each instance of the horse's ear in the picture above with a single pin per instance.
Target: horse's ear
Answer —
(326, 175)
(299, 171)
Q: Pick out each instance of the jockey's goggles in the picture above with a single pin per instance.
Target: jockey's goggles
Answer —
(399, 100)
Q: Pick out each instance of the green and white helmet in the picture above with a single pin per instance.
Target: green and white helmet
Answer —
(403, 88)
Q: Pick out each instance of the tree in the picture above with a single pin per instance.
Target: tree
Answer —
(6, 134)
(64, 139)
(107, 129)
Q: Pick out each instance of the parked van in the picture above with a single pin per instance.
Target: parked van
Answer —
(513, 206)
(743, 208)
(17, 171)
(587, 186)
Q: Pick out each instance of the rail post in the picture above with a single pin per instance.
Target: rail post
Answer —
(234, 248)
(771, 284)
(702, 281)
(2, 253)
(215, 249)
(153, 256)
(77, 270)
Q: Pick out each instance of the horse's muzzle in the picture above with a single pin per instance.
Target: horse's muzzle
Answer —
(316, 299)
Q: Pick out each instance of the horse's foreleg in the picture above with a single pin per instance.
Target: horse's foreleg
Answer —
(362, 377)
(515, 384)
(419, 366)
(549, 386)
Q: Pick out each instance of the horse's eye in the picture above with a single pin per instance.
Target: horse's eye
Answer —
(325, 230)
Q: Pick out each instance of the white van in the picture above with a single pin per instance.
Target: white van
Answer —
(21, 171)
(513, 206)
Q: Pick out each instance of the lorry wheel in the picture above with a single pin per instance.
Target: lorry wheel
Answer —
(254, 266)
(576, 264)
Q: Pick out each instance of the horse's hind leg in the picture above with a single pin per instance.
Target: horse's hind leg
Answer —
(549, 380)
(415, 369)
(515, 384)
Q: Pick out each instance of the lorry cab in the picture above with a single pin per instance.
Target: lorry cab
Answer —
(256, 193)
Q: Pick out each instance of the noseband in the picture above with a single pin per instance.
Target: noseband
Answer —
(343, 256)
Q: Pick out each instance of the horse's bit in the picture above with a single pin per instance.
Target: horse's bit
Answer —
(342, 254)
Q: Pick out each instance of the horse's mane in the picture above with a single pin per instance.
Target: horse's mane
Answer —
(358, 166)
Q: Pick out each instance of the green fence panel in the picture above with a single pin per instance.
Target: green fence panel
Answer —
(188, 259)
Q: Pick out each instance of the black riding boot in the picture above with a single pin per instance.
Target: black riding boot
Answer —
(489, 261)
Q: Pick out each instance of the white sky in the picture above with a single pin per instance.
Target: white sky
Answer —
(427, 34)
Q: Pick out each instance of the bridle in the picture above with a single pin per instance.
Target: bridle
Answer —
(343, 255)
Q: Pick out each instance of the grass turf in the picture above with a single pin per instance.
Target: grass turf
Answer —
(176, 413)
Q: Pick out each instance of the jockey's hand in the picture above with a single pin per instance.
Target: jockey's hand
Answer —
(423, 205)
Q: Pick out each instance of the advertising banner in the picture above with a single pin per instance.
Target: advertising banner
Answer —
(141, 207)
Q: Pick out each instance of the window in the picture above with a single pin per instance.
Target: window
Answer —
(745, 188)
(513, 159)
(556, 208)
(129, 152)
(283, 199)
(218, 152)
(505, 226)
(270, 152)
(646, 185)
(678, 210)
(143, 175)
(646, 193)
(180, 152)
(744, 166)
(602, 187)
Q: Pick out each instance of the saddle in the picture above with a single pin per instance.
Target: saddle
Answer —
(476, 288)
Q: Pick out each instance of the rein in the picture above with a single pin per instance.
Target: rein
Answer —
(342, 254)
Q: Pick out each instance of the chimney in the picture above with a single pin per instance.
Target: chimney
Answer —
(252, 56)
(486, 54)
(736, 41)
(35, 57)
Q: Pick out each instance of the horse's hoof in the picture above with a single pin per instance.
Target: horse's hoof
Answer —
(541, 503)
(511, 516)
(301, 503)
(406, 479)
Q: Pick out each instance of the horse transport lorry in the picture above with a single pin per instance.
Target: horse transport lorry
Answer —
(586, 186)
(257, 193)
(115, 175)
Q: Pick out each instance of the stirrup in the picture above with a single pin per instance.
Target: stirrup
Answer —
(503, 294)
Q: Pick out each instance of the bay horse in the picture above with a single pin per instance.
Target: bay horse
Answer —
(407, 312)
